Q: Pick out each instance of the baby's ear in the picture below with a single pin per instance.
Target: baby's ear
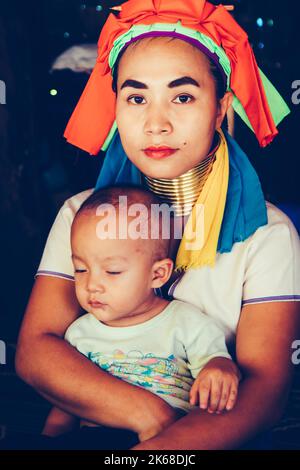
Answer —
(161, 272)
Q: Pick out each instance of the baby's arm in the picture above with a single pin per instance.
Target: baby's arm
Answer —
(59, 422)
(216, 386)
(216, 375)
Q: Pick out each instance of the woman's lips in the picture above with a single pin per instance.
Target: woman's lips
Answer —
(159, 152)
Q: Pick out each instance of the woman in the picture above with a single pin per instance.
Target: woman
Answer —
(178, 66)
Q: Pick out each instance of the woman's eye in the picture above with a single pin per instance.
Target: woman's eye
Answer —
(114, 273)
(136, 99)
(78, 271)
(182, 99)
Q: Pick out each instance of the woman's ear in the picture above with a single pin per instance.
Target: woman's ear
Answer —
(223, 106)
(161, 272)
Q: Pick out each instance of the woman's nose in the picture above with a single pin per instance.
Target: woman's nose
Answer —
(157, 122)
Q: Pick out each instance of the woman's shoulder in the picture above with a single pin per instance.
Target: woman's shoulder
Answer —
(279, 226)
(74, 202)
(56, 260)
(276, 215)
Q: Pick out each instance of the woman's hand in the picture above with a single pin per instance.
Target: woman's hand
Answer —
(216, 386)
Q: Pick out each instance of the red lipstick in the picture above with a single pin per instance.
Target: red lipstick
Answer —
(159, 152)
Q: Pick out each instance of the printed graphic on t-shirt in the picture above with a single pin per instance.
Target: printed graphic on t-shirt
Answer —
(163, 375)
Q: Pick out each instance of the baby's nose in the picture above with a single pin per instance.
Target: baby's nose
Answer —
(94, 284)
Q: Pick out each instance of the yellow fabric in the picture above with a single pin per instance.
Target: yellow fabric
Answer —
(199, 243)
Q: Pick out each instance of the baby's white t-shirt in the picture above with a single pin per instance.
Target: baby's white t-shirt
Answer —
(163, 355)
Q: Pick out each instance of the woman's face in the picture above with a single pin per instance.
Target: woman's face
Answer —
(166, 98)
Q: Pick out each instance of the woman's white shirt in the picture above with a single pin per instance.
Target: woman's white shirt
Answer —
(263, 268)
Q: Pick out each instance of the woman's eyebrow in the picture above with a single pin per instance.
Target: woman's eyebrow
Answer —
(134, 84)
(183, 81)
(175, 83)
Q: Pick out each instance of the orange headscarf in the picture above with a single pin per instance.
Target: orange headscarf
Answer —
(94, 115)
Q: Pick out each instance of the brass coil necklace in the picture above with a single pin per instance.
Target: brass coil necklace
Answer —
(182, 192)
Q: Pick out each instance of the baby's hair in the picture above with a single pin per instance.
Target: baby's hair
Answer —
(134, 194)
(215, 72)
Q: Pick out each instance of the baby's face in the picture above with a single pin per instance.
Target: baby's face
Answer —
(166, 97)
(113, 278)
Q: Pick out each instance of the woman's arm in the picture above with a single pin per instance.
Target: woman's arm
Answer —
(59, 422)
(67, 378)
(264, 338)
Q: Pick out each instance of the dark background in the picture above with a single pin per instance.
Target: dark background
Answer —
(38, 170)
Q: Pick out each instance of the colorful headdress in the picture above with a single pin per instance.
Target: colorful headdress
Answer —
(212, 29)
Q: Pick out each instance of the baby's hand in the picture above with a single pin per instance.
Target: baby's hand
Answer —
(216, 386)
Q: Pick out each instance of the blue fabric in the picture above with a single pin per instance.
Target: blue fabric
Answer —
(117, 168)
(245, 209)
